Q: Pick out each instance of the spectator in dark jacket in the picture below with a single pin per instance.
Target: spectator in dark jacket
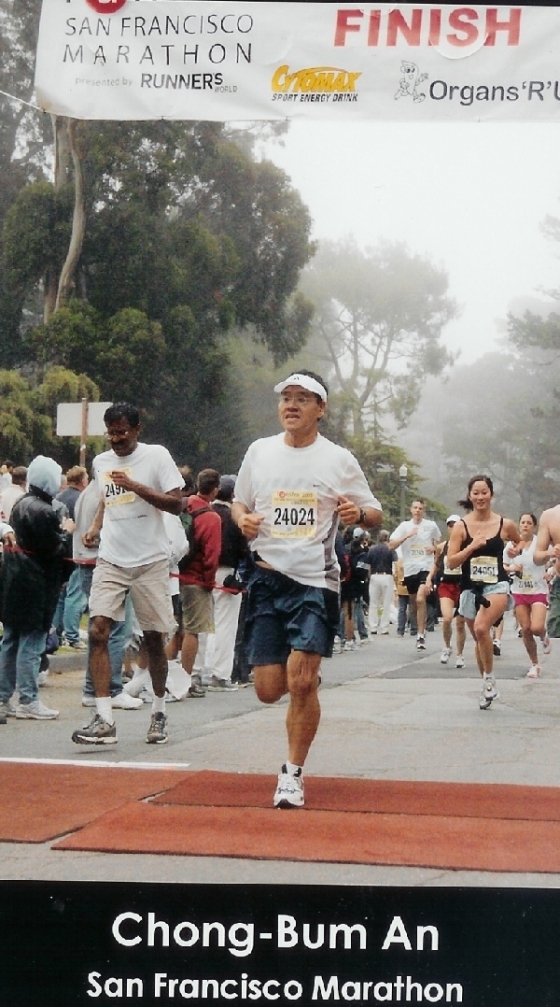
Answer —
(198, 578)
(359, 583)
(381, 585)
(32, 574)
(72, 602)
(227, 593)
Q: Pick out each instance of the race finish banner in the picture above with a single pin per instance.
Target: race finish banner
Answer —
(169, 59)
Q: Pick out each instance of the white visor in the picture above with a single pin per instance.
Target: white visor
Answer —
(303, 381)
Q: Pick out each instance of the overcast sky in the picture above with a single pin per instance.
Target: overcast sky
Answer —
(471, 196)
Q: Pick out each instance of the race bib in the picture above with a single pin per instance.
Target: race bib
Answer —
(526, 585)
(417, 551)
(448, 572)
(484, 570)
(114, 495)
(294, 514)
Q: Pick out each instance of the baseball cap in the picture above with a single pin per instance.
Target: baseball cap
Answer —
(453, 518)
(358, 533)
(226, 488)
(303, 381)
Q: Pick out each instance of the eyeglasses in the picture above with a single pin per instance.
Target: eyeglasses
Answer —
(299, 399)
(115, 435)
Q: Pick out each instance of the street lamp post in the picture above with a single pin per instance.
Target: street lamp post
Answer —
(403, 473)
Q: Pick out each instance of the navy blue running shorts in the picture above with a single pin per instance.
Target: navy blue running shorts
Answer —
(283, 615)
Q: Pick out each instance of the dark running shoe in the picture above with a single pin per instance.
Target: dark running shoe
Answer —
(98, 732)
(157, 731)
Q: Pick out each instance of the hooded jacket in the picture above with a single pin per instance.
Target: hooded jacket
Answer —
(32, 573)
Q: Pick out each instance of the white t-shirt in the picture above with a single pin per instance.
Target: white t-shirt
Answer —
(8, 498)
(297, 490)
(178, 547)
(133, 531)
(414, 550)
(532, 579)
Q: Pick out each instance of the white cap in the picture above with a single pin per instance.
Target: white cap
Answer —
(358, 533)
(303, 381)
(453, 518)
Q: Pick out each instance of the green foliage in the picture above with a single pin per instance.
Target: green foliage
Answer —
(122, 354)
(17, 420)
(494, 416)
(381, 462)
(28, 415)
(377, 327)
(62, 385)
(535, 339)
(22, 148)
(37, 231)
(179, 213)
(134, 352)
(535, 331)
(187, 237)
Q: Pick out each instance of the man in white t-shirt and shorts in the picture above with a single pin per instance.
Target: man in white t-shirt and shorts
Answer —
(417, 540)
(136, 483)
(291, 491)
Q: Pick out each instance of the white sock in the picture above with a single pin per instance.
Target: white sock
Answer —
(105, 709)
(158, 704)
(293, 770)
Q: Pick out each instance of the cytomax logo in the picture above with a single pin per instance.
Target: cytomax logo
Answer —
(324, 79)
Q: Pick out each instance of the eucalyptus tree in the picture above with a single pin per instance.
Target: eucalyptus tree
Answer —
(377, 328)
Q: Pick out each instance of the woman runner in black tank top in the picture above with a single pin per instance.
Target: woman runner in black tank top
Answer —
(476, 545)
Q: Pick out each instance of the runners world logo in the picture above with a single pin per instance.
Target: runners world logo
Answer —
(318, 80)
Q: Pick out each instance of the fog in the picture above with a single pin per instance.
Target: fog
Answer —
(471, 197)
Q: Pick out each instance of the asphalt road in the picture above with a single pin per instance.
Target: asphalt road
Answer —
(389, 712)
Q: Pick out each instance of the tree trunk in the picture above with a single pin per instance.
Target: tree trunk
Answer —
(67, 274)
(67, 168)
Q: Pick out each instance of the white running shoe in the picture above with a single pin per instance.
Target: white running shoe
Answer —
(289, 792)
(124, 701)
(420, 642)
(35, 711)
(534, 671)
(460, 662)
(351, 645)
(217, 684)
(139, 681)
(489, 693)
(445, 655)
(546, 644)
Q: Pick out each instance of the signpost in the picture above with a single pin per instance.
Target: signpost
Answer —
(81, 419)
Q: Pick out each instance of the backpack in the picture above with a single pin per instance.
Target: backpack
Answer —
(187, 520)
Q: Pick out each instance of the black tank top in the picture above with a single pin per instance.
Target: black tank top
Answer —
(446, 574)
(485, 565)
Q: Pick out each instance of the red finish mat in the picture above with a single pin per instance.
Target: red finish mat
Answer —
(395, 797)
(486, 827)
(41, 801)
(453, 843)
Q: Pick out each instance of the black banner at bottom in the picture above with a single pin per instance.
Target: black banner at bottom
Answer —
(87, 943)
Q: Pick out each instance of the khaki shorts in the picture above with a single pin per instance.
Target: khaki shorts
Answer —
(149, 590)
(196, 605)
